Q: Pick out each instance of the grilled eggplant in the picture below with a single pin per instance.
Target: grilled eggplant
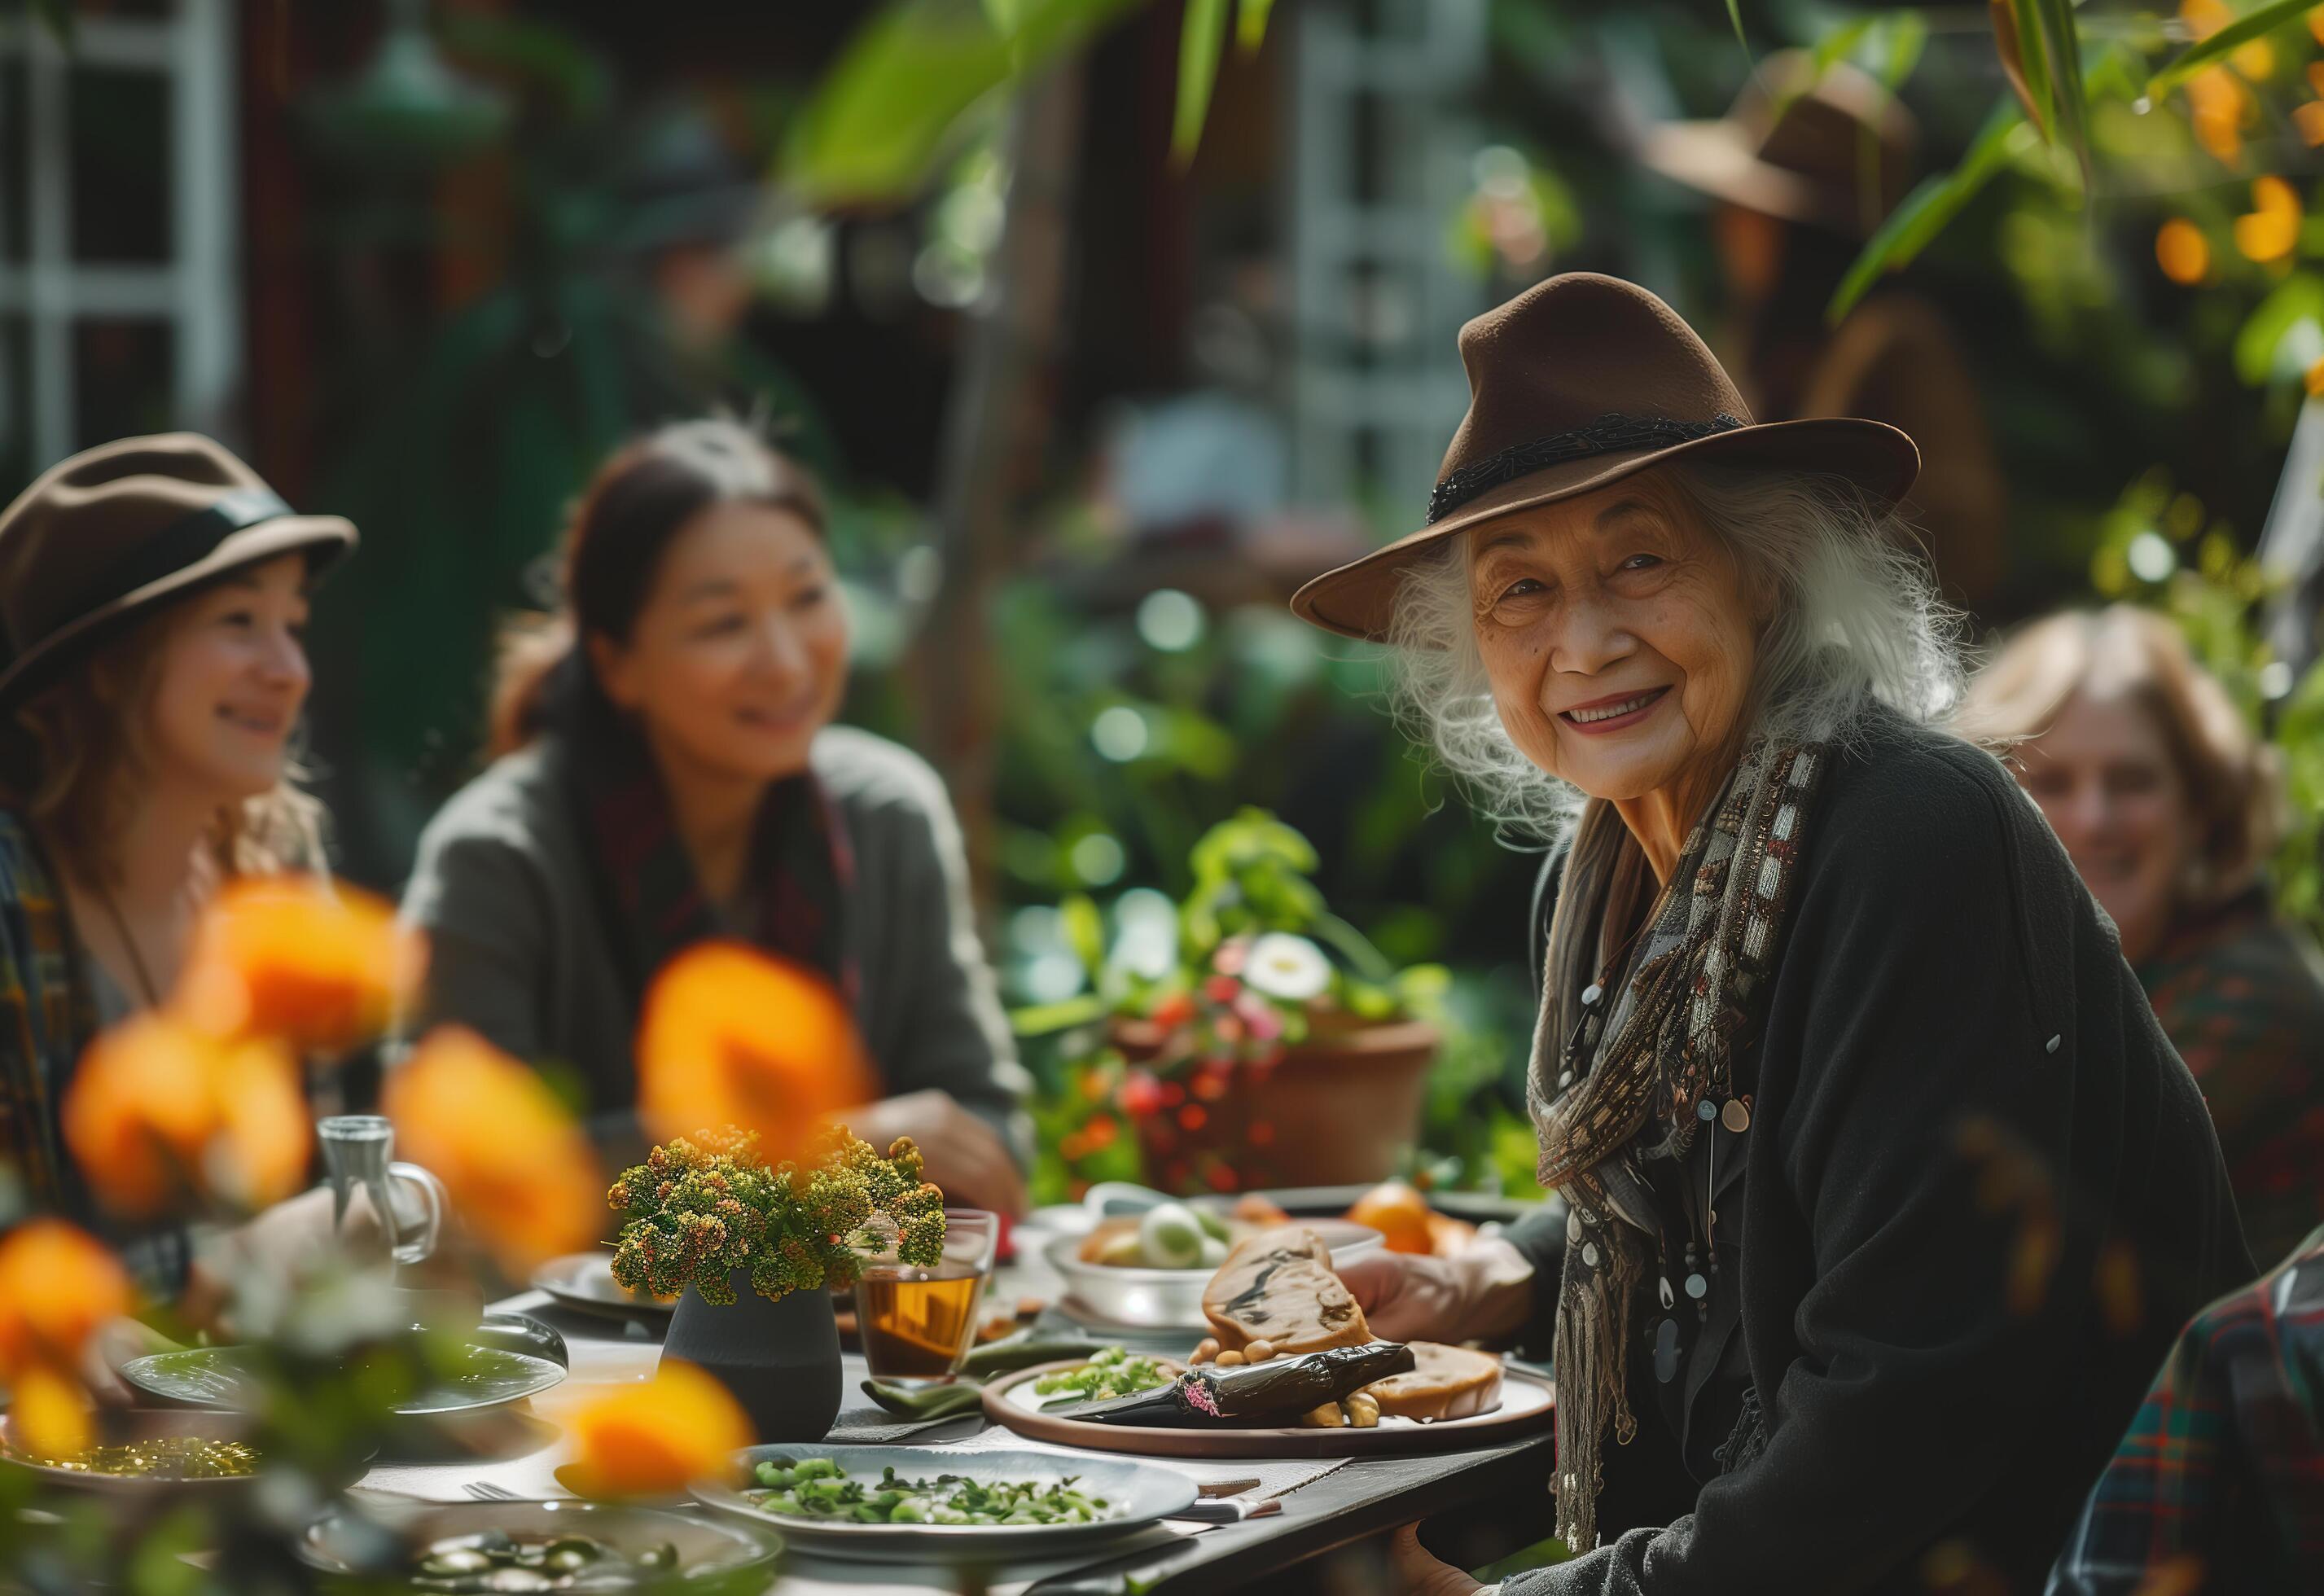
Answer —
(1276, 1391)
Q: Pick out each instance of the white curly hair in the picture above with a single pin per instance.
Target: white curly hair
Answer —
(1855, 619)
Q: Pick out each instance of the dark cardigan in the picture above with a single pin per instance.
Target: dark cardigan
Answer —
(1978, 1195)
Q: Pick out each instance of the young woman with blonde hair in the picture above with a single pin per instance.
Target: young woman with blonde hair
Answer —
(153, 593)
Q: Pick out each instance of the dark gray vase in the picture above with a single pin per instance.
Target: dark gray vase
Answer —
(780, 1359)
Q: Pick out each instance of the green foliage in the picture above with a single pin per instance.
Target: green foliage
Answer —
(2234, 36)
(881, 118)
(698, 1211)
(1931, 207)
(1202, 35)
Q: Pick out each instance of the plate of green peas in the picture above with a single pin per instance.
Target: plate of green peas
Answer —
(885, 1501)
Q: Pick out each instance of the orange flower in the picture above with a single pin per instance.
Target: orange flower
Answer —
(509, 1153)
(2183, 252)
(2272, 227)
(157, 1107)
(58, 1284)
(51, 1413)
(2220, 107)
(731, 1037)
(657, 1437)
(322, 967)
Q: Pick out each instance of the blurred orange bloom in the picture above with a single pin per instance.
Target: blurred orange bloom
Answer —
(58, 1284)
(658, 1437)
(511, 1155)
(2221, 106)
(731, 1037)
(51, 1413)
(2183, 252)
(2272, 227)
(157, 1107)
(322, 967)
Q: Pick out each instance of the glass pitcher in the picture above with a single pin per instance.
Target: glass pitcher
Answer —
(358, 1150)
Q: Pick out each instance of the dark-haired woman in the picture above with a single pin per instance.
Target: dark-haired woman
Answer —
(667, 773)
(151, 597)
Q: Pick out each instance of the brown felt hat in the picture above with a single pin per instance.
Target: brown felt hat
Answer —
(1828, 147)
(1579, 381)
(127, 525)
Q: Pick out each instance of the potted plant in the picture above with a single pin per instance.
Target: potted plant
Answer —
(756, 1252)
(1266, 1042)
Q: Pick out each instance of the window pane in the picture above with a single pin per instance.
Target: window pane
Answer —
(16, 171)
(123, 373)
(120, 165)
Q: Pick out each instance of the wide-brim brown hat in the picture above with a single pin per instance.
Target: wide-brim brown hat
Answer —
(1577, 382)
(1830, 146)
(127, 525)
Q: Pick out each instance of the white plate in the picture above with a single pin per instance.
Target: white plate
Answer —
(1145, 1492)
(584, 1281)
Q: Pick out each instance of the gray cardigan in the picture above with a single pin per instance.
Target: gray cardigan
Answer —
(520, 953)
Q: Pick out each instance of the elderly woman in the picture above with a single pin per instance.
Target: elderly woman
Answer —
(1883, 1192)
(2169, 805)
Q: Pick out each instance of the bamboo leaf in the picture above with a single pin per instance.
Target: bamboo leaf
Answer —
(1903, 35)
(1735, 15)
(2062, 43)
(1928, 209)
(2241, 32)
(1250, 25)
(2017, 38)
(1199, 40)
(883, 114)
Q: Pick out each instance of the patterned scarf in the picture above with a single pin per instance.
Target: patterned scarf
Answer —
(1665, 1046)
(800, 869)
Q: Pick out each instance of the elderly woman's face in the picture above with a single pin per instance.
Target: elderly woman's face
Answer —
(2105, 777)
(1618, 636)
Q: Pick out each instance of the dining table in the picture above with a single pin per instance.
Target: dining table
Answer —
(1319, 1505)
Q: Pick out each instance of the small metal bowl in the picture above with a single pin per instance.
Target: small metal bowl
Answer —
(1109, 1294)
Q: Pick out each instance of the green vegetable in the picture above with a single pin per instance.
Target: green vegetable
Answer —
(1215, 1224)
(1171, 1236)
(1025, 1350)
(949, 1499)
(1109, 1373)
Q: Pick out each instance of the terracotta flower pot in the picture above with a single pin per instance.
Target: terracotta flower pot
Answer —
(780, 1359)
(1337, 1109)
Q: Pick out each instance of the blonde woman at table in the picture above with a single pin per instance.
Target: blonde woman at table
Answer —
(153, 592)
(668, 771)
(1884, 1192)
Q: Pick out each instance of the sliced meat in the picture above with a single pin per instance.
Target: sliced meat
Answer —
(1446, 1382)
(1277, 1287)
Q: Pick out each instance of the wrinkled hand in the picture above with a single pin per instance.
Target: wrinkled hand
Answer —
(1481, 1294)
(1414, 1571)
(961, 1152)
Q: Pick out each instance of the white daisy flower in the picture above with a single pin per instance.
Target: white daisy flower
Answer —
(1288, 967)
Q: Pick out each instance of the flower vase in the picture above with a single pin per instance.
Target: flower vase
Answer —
(780, 1359)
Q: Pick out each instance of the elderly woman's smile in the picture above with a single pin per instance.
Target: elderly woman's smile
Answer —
(1617, 634)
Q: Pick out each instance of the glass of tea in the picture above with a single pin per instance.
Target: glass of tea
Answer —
(918, 1323)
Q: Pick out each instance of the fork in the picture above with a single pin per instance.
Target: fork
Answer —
(484, 1490)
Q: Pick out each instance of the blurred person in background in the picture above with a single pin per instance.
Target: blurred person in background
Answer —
(1803, 169)
(2218, 1486)
(2170, 805)
(666, 771)
(153, 592)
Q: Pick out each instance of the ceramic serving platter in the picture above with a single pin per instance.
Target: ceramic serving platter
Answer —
(227, 1378)
(584, 1281)
(1527, 1405)
(1144, 1492)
